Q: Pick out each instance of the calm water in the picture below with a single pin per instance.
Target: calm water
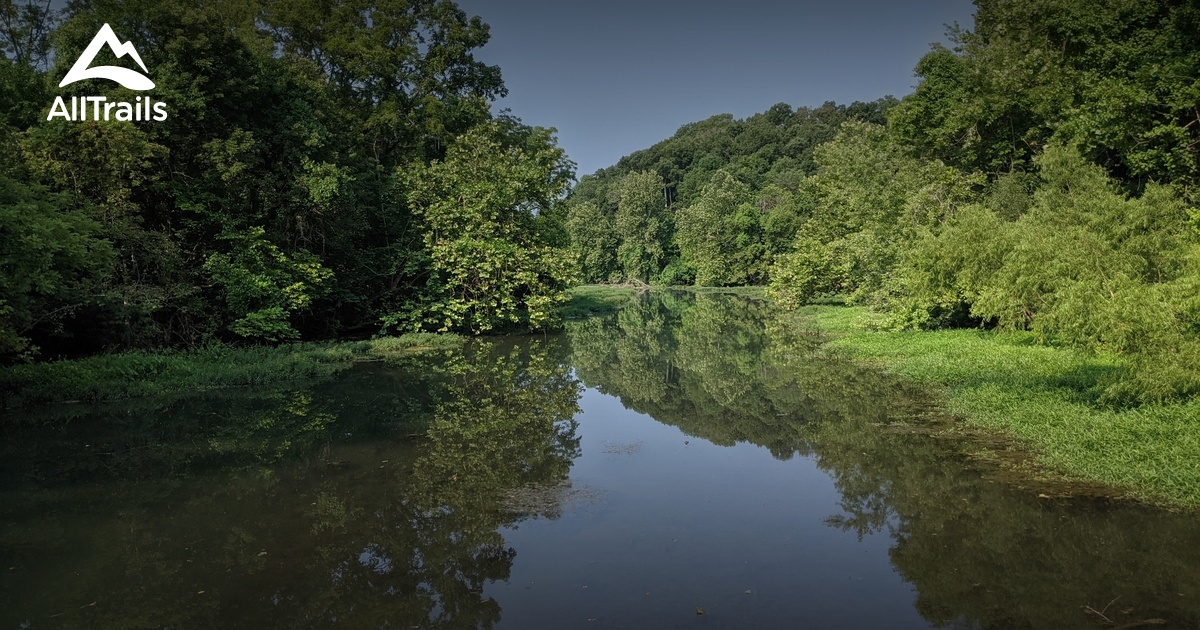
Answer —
(691, 454)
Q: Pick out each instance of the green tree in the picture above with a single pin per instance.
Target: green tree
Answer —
(870, 199)
(51, 264)
(286, 121)
(717, 233)
(1114, 79)
(643, 223)
(264, 287)
(483, 212)
(1085, 265)
(594, 241)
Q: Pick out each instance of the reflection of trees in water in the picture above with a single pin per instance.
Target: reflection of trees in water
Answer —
(979, 552)
(356, 530)
(984, 551)
(721, 368)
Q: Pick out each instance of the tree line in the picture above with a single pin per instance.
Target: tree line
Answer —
(712, 205)
(1041, 177)
(326, 169)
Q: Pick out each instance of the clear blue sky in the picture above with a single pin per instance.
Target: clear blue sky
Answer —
(615, 76)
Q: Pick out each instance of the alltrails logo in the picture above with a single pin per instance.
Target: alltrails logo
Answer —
(101, 107)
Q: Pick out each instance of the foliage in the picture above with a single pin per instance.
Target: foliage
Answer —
(719, 235)
(772, 147)
(51, 260)
(870, 200)
(594, 241)
(768, 155)
(263, 286)
(483, 210)
(1076, 125)
(272, 203)
(643, 225)
(1084, 266)
(1113, 79)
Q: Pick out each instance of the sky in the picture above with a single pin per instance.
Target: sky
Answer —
(616, 76)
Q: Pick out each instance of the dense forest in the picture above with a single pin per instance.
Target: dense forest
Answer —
(325, 169)
(334, 169)
(1041, 177)
(713, 204)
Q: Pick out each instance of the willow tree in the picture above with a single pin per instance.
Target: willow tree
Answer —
(870, 200)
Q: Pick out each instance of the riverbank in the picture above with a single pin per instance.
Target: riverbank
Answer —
(1043, 397)
(136, 374)
(590, 300)
(598, 299)
(125, 375)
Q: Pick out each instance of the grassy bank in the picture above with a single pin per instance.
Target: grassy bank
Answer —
(600, 299)
(125, 375)
(1044, 397)
(597, 299)
(748, 291)
(134, 374)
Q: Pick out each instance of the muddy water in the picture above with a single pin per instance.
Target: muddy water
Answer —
(691, 461)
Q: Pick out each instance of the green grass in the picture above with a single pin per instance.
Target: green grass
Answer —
(746, 291)
(1044, 397)
(600, 299)
(597, 299)
(135, 374)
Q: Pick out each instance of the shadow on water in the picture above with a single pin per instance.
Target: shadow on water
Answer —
(370, 499)
(385, 495)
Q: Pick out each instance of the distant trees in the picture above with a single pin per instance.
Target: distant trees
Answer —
(643, 225)
(675, 223)
(719, 235)
(594, 241)
(1042, 176)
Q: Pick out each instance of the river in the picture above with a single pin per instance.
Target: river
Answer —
(692, 461)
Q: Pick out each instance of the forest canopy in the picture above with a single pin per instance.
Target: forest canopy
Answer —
(1041, 177)
(326, 169)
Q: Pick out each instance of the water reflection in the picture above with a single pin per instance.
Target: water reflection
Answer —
(979, 552)
(391, 494)
(289, 507)
(728, 370)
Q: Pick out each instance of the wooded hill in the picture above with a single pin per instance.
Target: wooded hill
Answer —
(622, 219)
(1041, 177)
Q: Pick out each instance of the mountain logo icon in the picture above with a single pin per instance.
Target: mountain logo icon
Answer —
(126, 77)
